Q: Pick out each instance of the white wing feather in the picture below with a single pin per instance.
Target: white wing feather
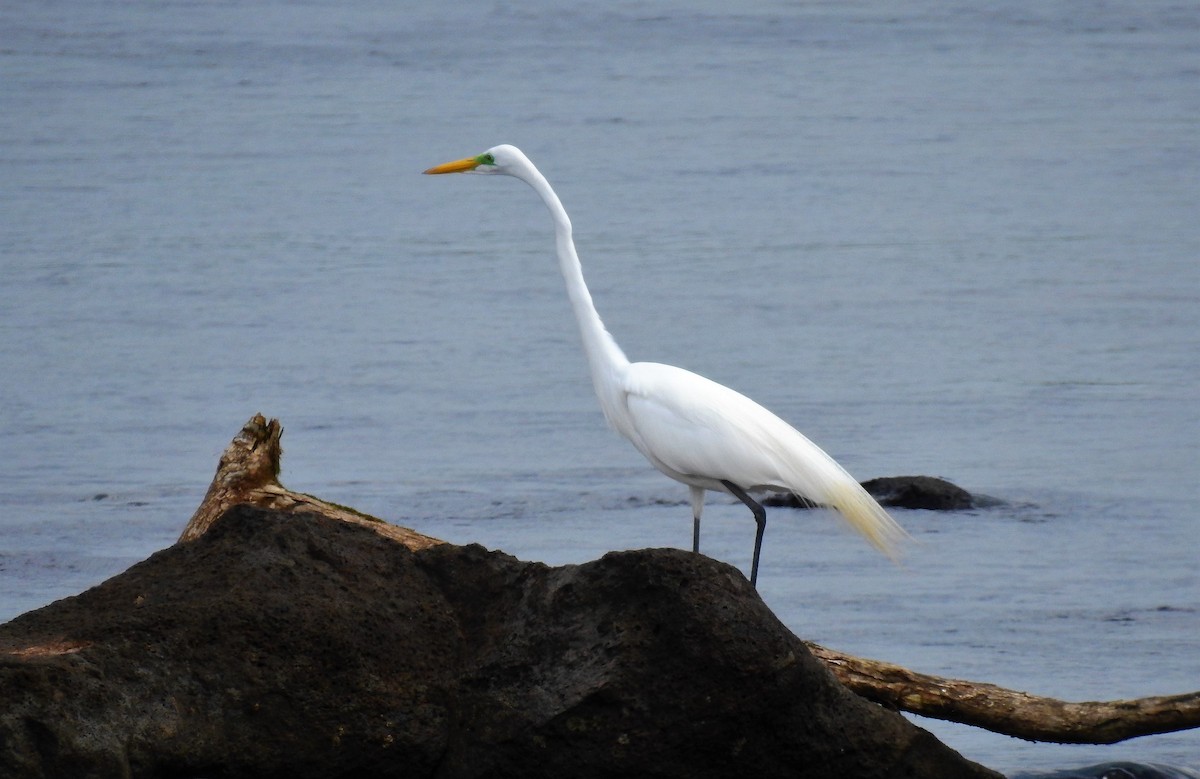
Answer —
(700, 432)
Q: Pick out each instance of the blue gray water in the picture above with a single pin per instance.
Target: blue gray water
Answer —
(950, 240)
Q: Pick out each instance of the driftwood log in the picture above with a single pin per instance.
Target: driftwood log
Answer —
(248, 473)
(1013, 713)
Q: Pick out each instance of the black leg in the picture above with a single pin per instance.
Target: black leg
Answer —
(697, 510)
(760, 519)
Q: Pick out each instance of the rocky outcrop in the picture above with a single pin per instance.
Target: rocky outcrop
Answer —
(295, 645)
(909, 492)
(920, 492)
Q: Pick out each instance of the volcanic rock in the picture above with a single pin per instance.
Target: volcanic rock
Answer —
(292, 645)
(909, 492)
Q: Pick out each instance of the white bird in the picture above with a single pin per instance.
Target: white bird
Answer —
(692, 429)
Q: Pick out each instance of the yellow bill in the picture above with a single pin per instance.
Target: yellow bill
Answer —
(457, 166)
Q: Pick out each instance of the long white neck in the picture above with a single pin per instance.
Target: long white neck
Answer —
(605, 359)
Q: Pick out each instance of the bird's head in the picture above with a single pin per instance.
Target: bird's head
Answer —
(504, 159)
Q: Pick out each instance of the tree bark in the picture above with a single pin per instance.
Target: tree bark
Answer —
(1013, 713)
(248, 472)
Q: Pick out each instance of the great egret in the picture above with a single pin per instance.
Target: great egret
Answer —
(692, 429)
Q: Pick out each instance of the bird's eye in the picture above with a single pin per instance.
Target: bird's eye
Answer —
(489, 159)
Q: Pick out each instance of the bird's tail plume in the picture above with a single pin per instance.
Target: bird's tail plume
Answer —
(867, 517)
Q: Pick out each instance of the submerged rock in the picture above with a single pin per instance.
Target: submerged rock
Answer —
(910, 492)
(919, 492)
(294, 645)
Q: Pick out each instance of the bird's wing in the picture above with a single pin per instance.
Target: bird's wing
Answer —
(694, 427)
(701, 433)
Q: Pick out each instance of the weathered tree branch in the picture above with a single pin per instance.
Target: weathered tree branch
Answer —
(248, 473)
(1010, 712)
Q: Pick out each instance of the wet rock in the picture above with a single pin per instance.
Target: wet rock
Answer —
(910, 492)
(293, 645)
(919, 492)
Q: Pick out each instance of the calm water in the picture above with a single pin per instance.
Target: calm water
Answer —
(958, 241)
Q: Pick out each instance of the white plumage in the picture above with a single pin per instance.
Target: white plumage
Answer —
(693, 429)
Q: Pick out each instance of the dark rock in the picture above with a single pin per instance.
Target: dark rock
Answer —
(909, 492)
(291, 645)
(919, 492)
(789, 500)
